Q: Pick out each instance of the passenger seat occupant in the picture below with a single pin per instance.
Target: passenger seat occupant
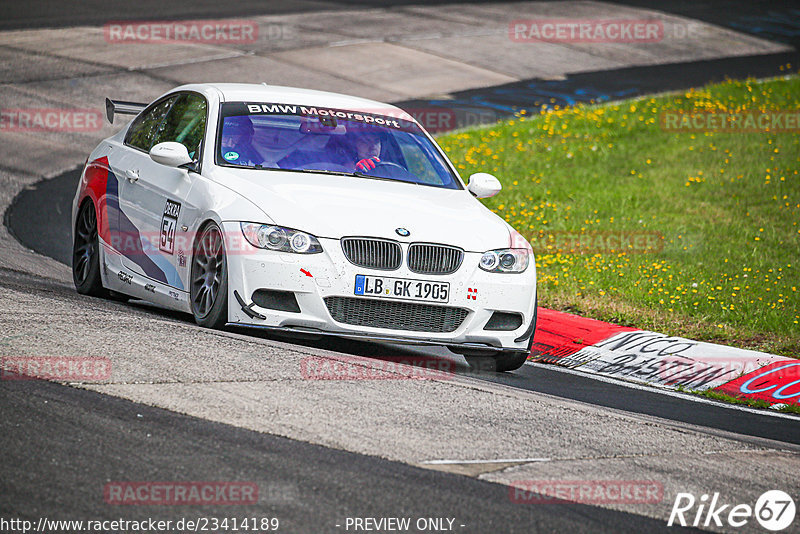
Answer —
(237, 142)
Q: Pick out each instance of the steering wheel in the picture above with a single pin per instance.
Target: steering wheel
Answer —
(393, 171)
(389, 164)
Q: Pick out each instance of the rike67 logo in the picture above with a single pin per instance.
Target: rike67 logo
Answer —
(774, 510)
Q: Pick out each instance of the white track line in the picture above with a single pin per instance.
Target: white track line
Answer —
(501, 461)
(670, 393)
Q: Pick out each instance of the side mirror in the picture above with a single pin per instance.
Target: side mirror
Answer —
(483, 185)
(171, 154)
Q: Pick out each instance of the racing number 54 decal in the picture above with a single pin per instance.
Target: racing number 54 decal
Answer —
(169, 222)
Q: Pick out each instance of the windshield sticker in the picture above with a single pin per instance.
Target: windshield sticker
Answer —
(231, 156)
(331, 113)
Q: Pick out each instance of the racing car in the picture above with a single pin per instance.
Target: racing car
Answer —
(305, 213)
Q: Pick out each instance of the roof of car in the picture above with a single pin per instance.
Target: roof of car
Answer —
(251, 92)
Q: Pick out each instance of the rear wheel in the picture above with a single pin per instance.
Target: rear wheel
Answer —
(209, 285)
(86, 254)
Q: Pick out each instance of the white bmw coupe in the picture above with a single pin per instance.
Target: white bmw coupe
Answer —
(304, 212)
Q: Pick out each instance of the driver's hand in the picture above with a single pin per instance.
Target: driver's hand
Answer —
(367, 164)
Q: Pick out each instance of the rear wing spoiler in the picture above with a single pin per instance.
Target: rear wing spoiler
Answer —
(122, 108)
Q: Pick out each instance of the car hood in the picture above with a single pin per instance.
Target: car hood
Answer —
(338, 206)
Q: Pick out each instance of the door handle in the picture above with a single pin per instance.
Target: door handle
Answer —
(132, 175)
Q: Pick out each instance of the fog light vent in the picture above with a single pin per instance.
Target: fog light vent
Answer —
(271, 299)
(504, 321)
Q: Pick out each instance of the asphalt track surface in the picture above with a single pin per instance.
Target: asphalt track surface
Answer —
(607, 85)
(309, 487)
(51, 236)
(777, 21)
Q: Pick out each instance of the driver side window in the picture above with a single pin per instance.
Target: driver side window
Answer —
(185, 123)
(144, 127)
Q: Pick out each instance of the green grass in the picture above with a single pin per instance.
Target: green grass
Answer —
(744, 401)
(790, 408)
(722, 211)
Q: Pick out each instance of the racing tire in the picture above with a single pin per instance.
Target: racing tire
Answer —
(510, 361)
(209, 279)
(118, 297)
(86, 254)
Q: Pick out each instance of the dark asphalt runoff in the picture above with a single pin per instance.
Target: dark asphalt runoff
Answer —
(62, 445)
(56, 14)
(777, 20)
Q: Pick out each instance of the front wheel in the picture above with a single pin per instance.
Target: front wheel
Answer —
(510, 361)
(209, 285)
(86, 254)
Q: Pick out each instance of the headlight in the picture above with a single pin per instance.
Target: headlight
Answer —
(278, 238)
(505, 260)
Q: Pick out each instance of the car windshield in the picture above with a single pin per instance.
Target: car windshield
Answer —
(321, 139)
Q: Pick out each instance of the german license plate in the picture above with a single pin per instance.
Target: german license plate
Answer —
(401, 288)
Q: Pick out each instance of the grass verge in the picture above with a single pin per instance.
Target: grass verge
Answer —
(744, 401)
(690, 233)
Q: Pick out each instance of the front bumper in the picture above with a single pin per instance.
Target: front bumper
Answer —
(314, 277)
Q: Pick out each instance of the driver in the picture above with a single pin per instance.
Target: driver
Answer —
(237, 142)
(368, 148)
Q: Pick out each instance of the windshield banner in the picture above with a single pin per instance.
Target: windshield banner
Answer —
(390, 118)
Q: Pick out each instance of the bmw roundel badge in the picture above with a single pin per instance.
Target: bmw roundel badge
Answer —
(403, 232)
